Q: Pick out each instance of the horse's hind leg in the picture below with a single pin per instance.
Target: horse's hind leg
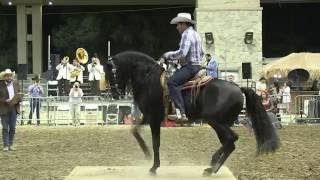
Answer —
(155, 130)
(227, 138)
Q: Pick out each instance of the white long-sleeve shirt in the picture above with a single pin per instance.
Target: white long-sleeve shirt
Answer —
(64, 71)
(80, 77)
(95, 71)
(75, 96)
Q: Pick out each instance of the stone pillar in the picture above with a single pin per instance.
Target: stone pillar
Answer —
(37, 38)
(22, 34)
(229, 20)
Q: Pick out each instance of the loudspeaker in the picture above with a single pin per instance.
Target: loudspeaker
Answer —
(209, 38)
(22, 71)
(246, 71)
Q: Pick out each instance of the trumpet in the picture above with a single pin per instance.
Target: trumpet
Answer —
(65, 60)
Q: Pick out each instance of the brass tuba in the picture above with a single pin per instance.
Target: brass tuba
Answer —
(82, 55)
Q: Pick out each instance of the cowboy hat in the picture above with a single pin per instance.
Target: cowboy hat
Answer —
(182, 17)
(5, 72)
(36, 78)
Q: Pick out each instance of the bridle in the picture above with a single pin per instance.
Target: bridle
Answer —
(114, 85)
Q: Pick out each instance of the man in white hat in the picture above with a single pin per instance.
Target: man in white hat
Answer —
(191, 51)
(9, 107)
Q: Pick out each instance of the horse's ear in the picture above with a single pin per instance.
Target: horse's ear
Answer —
(109, 62)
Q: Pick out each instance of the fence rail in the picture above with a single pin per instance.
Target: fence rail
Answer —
(56, 110)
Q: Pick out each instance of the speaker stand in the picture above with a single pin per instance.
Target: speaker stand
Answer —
(21, 88)
(247, 83)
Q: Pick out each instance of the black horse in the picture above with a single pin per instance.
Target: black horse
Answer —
(218, 103)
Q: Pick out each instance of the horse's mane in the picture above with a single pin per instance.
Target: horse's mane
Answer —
(129, 58)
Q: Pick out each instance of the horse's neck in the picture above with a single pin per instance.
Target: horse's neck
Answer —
(142, 81)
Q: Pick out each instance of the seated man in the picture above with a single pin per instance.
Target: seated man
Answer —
(191, 51)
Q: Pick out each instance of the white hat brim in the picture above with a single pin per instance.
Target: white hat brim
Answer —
(2, 74)
(177, 20)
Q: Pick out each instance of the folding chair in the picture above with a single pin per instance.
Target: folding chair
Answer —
(112, 114)
(92, 113)
(62, 114)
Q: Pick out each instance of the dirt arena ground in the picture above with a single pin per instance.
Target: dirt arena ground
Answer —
(52, 152)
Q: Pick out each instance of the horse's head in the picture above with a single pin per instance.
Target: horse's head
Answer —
(115, 78)
(130, 66)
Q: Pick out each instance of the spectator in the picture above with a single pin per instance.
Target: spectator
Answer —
(271, 110)
(35, 91)
(63, 77)
(261, 86)
(95, 70)
(286, 96)
(75, 99)
(9, 108)
(212, 66)
(267, 102)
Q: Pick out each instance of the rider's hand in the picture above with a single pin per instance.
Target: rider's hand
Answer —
(161, 60)
(166, 55)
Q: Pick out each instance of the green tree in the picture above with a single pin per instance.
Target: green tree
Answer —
(76, 31)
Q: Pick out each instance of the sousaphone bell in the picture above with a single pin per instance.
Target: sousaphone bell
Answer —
(82, 55)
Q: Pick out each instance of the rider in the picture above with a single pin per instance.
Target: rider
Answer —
(190, 50)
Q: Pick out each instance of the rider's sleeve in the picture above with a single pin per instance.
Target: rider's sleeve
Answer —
(185, 44)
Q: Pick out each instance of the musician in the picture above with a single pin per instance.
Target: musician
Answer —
(76, 74)
(63, 77)
(95, 70)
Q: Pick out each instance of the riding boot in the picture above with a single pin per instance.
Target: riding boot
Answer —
(184, 118)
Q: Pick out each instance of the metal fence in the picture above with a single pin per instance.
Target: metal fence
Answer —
(307, 108)
(57, 110)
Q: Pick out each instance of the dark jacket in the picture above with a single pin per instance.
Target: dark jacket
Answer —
(4, 94)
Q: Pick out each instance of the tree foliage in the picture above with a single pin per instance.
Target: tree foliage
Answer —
(75, 32)
(147, 32)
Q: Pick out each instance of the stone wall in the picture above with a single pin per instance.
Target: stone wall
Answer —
(229, 20)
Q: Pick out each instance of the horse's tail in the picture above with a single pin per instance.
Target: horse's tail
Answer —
(266, 136)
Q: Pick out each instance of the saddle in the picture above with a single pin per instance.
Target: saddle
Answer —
(193, 85)
(199, 80)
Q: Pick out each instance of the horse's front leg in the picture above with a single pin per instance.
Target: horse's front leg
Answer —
(155, 130)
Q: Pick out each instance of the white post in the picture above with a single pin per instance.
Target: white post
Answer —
(49, 53)
(108, 48)
(225, 65)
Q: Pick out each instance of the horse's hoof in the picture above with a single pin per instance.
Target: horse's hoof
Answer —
(207, 172)
(152, 172)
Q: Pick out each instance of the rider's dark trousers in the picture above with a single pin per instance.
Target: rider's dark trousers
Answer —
(179, 77)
